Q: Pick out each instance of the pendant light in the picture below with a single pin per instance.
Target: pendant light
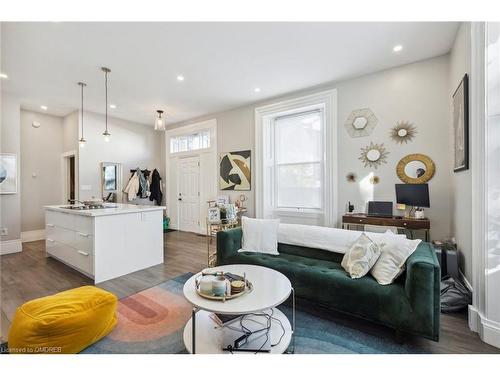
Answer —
(82, 139)
(160, 122)
(106, 134)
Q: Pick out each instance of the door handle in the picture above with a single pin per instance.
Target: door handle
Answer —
(83, 253)
(179, 199)
(50, 240)
(83, 234)
(50, 225)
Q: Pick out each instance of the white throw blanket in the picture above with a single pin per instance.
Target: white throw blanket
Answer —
(324, 238)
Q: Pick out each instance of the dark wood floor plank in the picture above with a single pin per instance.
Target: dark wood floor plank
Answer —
(30, 274)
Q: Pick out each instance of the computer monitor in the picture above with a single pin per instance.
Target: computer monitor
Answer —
(416, 195)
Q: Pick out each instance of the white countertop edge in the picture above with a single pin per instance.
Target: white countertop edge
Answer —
(120, 210)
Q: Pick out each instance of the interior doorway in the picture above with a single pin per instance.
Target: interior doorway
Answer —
(188, 194)
(69, 176)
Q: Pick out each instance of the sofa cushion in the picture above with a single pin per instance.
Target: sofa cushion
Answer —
(361, 257)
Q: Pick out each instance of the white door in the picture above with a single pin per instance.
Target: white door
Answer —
(188, 194)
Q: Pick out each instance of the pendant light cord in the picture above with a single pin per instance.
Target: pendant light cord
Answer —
(106, 89)
(82, 111)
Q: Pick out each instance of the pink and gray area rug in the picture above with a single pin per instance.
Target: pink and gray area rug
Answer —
(152, 321)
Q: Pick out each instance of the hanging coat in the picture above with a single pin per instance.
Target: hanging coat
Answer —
(155, 188)
(132, 187)
(144, 188)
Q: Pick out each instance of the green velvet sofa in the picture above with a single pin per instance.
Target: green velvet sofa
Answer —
(410, 305)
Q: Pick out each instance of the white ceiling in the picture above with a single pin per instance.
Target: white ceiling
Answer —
(222, 62)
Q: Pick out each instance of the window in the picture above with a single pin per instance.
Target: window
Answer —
(299, 160)
(190, 142)
(295, 165)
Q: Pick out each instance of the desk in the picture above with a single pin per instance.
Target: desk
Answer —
(406, 224)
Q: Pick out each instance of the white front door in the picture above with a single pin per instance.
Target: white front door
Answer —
(188, 194)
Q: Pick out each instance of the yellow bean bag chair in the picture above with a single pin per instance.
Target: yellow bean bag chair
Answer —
(65, 322)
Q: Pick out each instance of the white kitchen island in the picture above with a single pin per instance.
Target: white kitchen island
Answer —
(108, 242)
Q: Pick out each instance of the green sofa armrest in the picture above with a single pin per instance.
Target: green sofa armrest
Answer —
(228, 243)
(422, 287)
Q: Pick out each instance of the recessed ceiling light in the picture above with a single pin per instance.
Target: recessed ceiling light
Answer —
(257, 89)
(397, 48)
(44, 107)
(180, 78)
(112, 106)
(4, 76)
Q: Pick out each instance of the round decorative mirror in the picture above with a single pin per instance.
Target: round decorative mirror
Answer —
(403, 132)
(415, 169)
(373, 155)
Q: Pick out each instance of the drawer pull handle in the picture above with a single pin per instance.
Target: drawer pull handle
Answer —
(51, 225)
(50, 240)
(83, 234)
(83, 253)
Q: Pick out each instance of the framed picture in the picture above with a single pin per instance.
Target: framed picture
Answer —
(213, 214)
(461, 125)
(235, 171)
(8, 174)
(222, 200)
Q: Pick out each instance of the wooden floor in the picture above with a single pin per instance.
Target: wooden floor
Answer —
(30, 274)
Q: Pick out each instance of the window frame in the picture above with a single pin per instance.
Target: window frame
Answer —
(263, 181)
(276, 165)
(187, 135)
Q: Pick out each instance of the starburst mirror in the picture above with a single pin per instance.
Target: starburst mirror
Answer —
(403, 132)
(373, 155)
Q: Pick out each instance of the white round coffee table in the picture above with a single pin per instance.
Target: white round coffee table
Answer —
(270, 289)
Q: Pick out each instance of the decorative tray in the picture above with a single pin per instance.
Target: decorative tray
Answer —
(245, 284)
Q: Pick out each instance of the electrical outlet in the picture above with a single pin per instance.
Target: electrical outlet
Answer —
(4, 231)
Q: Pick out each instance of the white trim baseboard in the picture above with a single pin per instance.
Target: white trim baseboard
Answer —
(488, 330)
(10, 247)
(33, 235)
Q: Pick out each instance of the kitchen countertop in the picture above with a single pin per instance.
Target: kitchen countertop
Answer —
(119, 210)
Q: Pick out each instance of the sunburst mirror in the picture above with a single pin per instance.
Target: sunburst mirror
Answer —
(351, 177)
(373, 155)
(403, 132)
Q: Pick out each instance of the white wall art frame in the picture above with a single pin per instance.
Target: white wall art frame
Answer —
(8, 174)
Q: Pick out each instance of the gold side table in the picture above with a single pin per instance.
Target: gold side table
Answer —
(212, 229)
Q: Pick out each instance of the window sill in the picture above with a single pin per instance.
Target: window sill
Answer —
(298, 213)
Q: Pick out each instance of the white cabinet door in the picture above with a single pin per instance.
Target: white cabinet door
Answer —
(188, 194)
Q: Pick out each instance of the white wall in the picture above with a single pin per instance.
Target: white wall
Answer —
(70, 132)
(10, 204)
(133, 145)
(41, 150)
(417, 92)
(461, 182)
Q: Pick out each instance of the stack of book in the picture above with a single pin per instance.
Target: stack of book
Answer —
(223, 319)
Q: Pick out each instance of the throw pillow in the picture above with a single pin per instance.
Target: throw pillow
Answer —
(392, 261)
(361, 257)
(260, 235)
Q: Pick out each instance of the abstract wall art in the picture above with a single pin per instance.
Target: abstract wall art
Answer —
(235, 171)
